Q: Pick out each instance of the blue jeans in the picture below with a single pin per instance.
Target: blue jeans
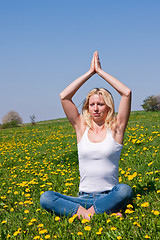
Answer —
(109, 201)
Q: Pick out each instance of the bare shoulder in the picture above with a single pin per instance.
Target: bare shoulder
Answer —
(80, 128)
(118, 133)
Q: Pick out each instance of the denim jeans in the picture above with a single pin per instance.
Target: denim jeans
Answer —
(109, 201)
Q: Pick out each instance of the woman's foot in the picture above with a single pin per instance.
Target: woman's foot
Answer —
(91, 211)
(83, 212)
(119, 214)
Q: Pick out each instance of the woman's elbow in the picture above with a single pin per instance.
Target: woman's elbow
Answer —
(128, 93)
(62, 96)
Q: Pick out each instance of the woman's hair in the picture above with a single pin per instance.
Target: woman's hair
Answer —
(108, 99)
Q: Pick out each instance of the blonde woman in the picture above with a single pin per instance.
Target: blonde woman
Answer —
(99, 141)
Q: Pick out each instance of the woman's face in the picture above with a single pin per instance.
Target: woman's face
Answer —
(97, 108)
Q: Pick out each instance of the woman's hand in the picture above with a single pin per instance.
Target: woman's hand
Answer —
(97, 65)
(92, 67)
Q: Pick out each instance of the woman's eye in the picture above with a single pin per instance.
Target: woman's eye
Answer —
(101, 104)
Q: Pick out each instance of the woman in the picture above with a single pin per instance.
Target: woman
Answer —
(100, 138)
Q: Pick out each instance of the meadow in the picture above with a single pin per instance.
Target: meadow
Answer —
(41, 157)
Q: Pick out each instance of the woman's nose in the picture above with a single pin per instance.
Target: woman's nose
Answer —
(95, 107)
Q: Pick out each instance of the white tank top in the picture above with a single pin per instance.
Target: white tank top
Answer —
(98, 163)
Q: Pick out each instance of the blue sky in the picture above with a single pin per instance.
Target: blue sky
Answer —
(45, 45)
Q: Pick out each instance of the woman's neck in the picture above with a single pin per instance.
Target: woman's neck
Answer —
(98, 127)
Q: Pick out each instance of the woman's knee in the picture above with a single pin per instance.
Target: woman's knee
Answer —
(125, 191)
(45, 198)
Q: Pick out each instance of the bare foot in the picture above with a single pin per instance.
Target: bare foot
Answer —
(83, 212)
(119, 214)
(91, 211)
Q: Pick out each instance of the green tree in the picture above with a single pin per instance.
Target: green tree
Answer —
(151, 103)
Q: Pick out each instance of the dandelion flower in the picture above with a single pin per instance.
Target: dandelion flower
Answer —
(98, 233)
(147, 236)
(156, 213)
(79, 233)
(26, 211)
(30, 223)
(40, 225)
(71, 220)
(129, 206)
(87, 228)
(146, 204)
(47, 236)
(149, 164)
(57, 218)
(84, 220)
(43, 231)
(113, 228)
(33, 220)
(129, 211)
(4, 221)
(119, 237)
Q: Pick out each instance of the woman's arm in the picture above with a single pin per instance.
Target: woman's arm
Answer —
(125, 92)
(66, 97)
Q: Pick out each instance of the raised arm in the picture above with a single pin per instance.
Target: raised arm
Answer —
(66, 97)
(125, 92)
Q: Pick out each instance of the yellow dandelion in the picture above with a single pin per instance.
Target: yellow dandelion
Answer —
(26, 211)
(47, 236)
(119, 237)
(15, 233)
(158, 191)
(4, 221)
(40, 225)
(129, 206)
(36, 237)
(156, 212)
(43, 231)
(87, 228)
(149, 164)
(146, 204)
(57, 218)
(134, 174)
(79, 233)
(33, 220)
(129, 211)
(130, 177)
(30, 223)
(113, 228)
(37, 210)
(71, 220)
(84, 220)
(147, 236)
(98, 233)
(108, 220)
(74, 216)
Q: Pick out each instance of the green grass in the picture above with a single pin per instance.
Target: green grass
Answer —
(43, 157)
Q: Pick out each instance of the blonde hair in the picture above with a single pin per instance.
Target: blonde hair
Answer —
(108, 99)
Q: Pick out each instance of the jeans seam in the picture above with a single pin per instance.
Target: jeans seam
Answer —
(95, 209)
(76, 208)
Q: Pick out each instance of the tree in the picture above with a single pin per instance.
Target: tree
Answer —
(151, 103)
(33, 118)
(12, 116)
